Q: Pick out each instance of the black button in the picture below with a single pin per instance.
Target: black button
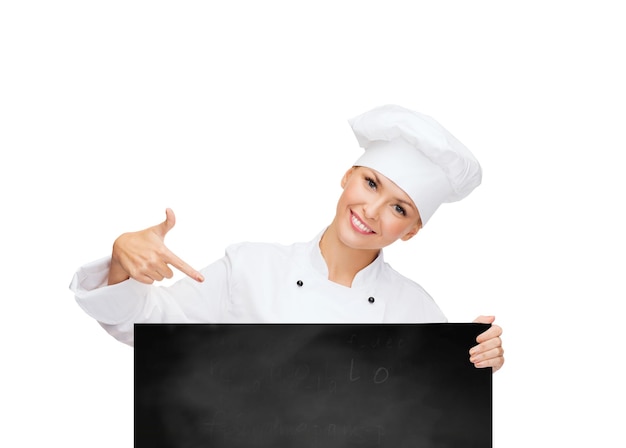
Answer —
(371, 300)
(299, 283)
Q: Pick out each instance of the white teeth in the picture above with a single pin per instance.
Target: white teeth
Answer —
(360, 225)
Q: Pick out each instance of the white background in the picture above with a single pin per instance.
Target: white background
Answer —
(235, 115)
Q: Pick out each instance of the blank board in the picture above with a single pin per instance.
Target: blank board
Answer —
(322, 385)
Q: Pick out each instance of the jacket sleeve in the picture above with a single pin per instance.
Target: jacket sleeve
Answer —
(118, 307)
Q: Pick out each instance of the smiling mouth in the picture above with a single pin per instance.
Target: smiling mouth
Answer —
(358, 224)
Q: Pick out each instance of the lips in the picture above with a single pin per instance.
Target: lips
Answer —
(359, 225)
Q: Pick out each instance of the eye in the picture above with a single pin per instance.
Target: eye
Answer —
(400, 210)
(371, 183)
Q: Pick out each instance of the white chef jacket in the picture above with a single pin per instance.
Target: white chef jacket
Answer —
(256, 283)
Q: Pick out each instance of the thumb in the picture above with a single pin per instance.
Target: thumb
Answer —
(168, 224)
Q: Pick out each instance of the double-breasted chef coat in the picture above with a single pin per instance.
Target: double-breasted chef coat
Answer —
(256, 283)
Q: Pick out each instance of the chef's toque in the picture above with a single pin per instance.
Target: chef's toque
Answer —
(418, 155)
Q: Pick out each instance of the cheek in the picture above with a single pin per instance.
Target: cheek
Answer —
(341, 201)
(349, 195)
(398, 227)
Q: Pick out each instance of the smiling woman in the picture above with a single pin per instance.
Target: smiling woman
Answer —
(372, 213)
(411, 165)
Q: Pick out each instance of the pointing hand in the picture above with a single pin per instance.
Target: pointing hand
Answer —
(144, 257)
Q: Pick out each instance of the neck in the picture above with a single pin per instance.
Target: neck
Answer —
(343, 262)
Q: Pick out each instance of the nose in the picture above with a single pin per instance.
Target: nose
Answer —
(371, 210)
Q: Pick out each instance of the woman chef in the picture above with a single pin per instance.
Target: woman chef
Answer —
(410, 165)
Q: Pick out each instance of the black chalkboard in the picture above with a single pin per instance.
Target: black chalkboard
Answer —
(326, 386)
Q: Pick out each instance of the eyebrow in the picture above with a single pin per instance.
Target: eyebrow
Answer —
(401, 201)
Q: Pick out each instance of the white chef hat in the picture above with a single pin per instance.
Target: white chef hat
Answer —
(417, 154)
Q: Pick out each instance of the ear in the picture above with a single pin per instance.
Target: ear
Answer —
(411, 233)
(344, 179)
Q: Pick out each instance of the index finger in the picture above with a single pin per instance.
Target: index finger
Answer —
(183, 267)
(492, 332)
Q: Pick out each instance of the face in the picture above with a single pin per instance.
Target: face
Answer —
(373, 212)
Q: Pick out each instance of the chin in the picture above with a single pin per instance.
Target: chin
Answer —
(358, 241)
